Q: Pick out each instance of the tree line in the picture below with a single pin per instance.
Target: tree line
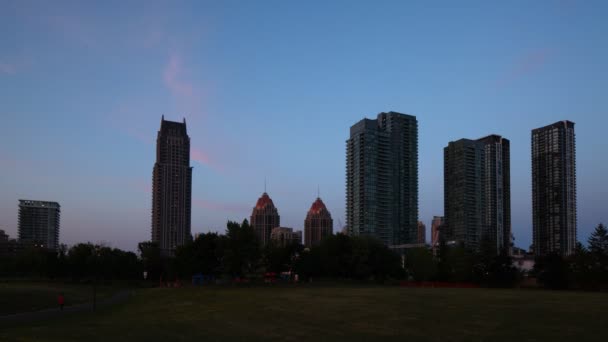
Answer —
(585, 269)
(238, 255)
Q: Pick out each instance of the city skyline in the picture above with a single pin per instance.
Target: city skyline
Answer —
(81, 97)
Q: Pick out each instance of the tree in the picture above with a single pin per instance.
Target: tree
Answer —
(149, 252)
(552, 271)
(420, 264)
(598, 241)
(242, 250)
(598, 258)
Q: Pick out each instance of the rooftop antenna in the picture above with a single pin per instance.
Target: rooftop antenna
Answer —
(318, 192)
(264, 183)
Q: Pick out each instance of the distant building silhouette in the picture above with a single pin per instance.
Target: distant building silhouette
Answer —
(39, 223)
(264, 218)
(284, 236)
(477, 192)
(8, 247)
(421, 233)
(172, 187)
(382, 178)
(3, 237)
(554, 189)
(318, 224)
(436, 225)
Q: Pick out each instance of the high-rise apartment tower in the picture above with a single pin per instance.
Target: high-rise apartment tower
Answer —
(382, 178)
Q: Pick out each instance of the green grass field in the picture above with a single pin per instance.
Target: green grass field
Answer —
(18, 297)
(333, 313)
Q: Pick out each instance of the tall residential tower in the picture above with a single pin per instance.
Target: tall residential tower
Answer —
(171, 187)
(554, 189)
(477, 196)
(39, 223)
(464, 192)
(382, 178)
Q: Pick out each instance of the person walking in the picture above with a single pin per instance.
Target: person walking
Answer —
(60, 301)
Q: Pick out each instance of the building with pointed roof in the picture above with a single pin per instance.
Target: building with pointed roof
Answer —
(318, 224)
(172, 187)
(264, 218)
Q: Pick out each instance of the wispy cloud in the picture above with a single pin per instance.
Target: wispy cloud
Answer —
(73, 27)
(203, 158)
(7, 68)
(525, 65)
(173, 74)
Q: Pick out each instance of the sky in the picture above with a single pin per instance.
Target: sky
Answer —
(269, 90)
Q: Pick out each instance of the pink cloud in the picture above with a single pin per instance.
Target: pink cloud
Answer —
(203, 158)
(172, 76)
(7, 68)
(526, 65)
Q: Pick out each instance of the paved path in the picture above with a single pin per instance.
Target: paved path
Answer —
(55, 312)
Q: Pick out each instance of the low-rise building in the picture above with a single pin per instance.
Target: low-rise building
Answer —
(284, 236)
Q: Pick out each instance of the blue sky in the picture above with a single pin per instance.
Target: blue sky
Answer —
(270, 89)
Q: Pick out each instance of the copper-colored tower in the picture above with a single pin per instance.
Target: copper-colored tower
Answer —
(318, 224)
(264, 218)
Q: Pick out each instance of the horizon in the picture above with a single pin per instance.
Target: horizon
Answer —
(269, 92)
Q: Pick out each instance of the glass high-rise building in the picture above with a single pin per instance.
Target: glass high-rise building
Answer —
(172, 187)
(477, 192)
(554, 189)
(464, 192)
(498, 191)
(39, 223)
(382, 178)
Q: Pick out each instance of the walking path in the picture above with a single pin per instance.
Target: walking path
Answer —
(55, 312)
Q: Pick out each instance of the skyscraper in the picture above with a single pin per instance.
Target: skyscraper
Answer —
(464, 192)
(318, 224)
(39, 223)
(172, 187)
(478, 192)
(264, 218)
(498, 191)
(554, 189)
(382, 178)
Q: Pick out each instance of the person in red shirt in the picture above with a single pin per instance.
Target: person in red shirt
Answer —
(60, 301)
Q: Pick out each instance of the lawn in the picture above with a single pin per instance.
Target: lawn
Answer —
(18, 297)
(334, 313)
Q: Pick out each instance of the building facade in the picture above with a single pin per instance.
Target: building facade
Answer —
(39, 223)
(498, 191)
(477, 196)
(436, 225)
(264, 218)
(382, 178)
(464, 192)
(421, 238)
(318, 224)
(554, 189)
(172, 187)
(284, 236)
